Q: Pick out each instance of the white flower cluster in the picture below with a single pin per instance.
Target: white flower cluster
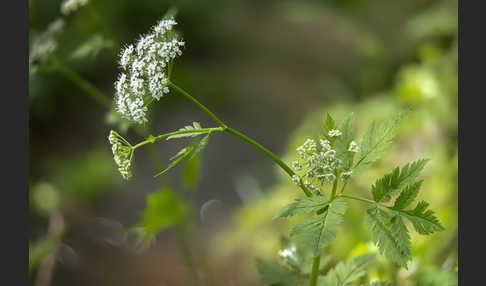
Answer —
(145, 70)
(69, 6)
(334, 133)
(289, 254)
(318, 165)
(122, 153)
(44, 45)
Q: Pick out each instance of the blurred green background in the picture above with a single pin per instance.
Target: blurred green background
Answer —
(270, 69)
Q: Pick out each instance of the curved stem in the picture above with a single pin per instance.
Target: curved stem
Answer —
(315, 271)
(85, 85)
(243, 137)
(195, 101)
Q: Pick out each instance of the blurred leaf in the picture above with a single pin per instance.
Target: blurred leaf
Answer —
(192, 172)
(90, 48)
(345, 273)
(162, 211)
(429, 275)
(272, 273)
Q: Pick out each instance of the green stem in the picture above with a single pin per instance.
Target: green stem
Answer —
(315, 271)
(334, 187)
(243, 137)
(85, 85)
(357, 198)
(195, 101)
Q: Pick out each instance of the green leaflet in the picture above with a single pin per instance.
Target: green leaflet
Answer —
(163, 210)
(183, 153)
(319, 230)
(329, 123)
(345, 273)
(301, 206)
(201, 145)
(194, 127)
(407, 196)
(390, 184)
(376, 141)
(343, 141)
(424, 221)
(273, 273)
(390, 235)
(195, 148)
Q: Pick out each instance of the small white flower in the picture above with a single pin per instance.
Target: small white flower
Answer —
(334, 133)
(353, 147)
(296, 166)
(296, 180)
(346, 175)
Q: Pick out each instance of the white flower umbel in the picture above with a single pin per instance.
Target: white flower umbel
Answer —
(334, 133)
(44, 45)
(145, 65)
(69, 6)
(353, 147)
(122, 153)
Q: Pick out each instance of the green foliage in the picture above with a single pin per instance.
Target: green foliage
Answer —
(195, 128)
(329, 124)
(319, 230)
(407, 196)
(432, 276)
(272, 273)
(345, 273)
(91, 47)
(377, 283)
(393, 182)
(301, 206)
(343, 141)
(390, 235)
(162, 211)
(424, 221)
(376, 141)
(194, 149)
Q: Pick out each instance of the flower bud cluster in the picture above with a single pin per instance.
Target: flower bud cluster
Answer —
(317, 163)
(144, 76)
(122, 153)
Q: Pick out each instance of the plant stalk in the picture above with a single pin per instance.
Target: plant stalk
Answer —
(243, 137)
(315, 271)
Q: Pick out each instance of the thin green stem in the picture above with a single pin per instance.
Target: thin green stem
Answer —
(363, 200)
(334, 188)
(315, 271)
(195, 101)
(243, 137)
(186, 253)
(85, 85)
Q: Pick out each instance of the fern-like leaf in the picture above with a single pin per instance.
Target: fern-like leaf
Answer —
(390, 184)
(194, 128)
(390, 235)
(273, 273)
(423, 220)
(319, 230)
(301, 206)
(407, 196)
(345, 273)
(343, 141)
(376, 142)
